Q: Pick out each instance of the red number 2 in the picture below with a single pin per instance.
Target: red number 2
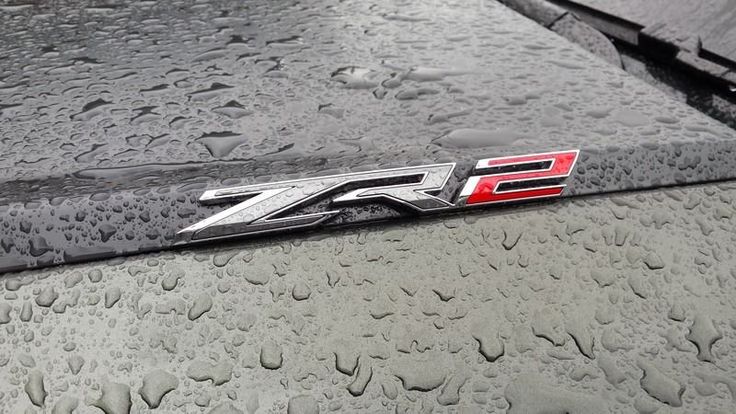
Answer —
(527, 176)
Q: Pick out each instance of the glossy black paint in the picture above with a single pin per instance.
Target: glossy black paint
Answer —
(126, 221)
(114, 120)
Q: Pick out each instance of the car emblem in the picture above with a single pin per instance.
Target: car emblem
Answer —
(310, 202)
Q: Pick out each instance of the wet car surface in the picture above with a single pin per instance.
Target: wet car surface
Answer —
(145, 84)
(602, 303)
(118, 117)
(711, 20)
(596, 305)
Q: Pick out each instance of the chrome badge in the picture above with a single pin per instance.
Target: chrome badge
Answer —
(285, 205)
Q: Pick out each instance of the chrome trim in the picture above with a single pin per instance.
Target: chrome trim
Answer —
(265, 202)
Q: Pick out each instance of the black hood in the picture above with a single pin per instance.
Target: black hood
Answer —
(116, 119)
